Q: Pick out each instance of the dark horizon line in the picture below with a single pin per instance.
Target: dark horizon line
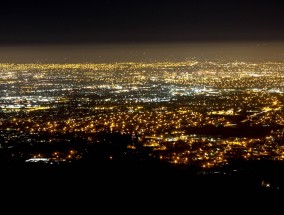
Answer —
(150, 41)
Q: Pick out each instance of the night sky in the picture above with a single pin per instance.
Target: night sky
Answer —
(105, 21)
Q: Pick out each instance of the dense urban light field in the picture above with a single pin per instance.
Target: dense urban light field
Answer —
(203, 113)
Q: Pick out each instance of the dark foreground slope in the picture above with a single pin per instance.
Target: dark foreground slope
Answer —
(138, 186)
(257, 176)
